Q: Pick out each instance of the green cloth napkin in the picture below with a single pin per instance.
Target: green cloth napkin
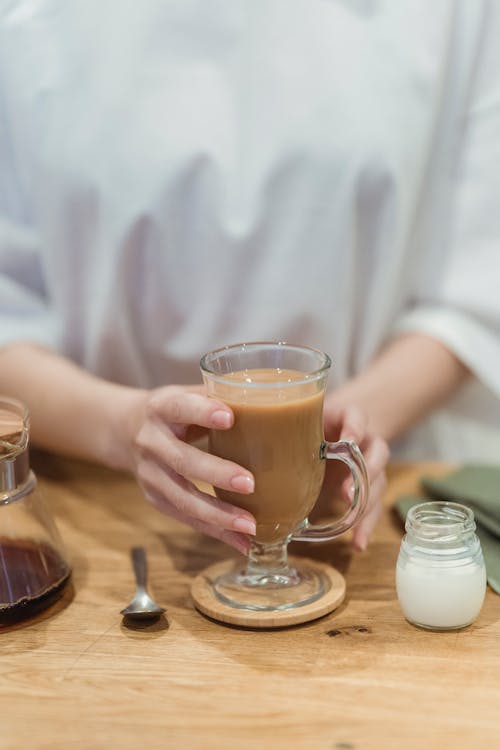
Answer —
(478, 487)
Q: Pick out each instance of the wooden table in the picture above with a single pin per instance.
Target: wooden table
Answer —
(362, 677)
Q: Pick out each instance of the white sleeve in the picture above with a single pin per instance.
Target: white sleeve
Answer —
(25, 312)
(457, 293)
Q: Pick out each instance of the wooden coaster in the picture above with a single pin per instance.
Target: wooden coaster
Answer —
(207, 602)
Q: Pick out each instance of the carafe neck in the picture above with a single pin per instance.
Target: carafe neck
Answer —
(14, 470)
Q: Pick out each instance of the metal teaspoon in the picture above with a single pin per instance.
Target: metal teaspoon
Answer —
(141, 606)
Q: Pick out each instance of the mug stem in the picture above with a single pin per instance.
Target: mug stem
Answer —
(268, 583)
(268, 564)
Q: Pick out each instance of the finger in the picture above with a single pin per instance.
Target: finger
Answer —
(238, 541)
(178, 406)
(376, 454)
(191, 502)
(364, 529)
(353, 425)
(189, 461)
(346, 423)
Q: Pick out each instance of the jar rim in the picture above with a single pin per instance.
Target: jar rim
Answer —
(440, 520)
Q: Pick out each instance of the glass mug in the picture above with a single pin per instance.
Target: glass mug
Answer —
(34, 571)
(276, 392)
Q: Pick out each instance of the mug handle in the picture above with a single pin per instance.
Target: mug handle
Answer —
(348, 452)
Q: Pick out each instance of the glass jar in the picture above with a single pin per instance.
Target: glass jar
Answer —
(440, 572)
(34, 571)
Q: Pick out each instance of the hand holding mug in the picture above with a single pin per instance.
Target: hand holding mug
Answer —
(168, 467)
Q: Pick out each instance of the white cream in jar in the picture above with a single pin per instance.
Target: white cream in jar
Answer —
(440, 572)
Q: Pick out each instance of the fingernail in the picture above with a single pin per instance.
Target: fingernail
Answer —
(350, 492)
(245, 526)
(361, 543)
(242, 483)
(243, 548)
(221, 419)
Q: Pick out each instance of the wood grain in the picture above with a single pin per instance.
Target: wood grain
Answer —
(361, 677)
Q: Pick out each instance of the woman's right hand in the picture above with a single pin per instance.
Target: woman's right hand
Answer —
(166, 464)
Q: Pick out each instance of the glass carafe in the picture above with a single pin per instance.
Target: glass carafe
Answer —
(34, 570)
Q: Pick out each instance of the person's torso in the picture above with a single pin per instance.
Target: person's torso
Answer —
(202, 173)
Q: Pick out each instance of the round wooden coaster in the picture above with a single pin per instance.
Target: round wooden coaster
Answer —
(207, 602)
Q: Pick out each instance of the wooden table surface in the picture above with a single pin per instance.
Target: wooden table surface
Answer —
(362, 677)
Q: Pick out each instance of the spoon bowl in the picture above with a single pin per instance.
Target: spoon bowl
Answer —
(141, 606)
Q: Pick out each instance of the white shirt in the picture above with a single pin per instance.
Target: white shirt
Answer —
(178, 175)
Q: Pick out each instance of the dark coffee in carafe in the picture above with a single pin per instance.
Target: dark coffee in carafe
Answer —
(34, 577)
(33, 567)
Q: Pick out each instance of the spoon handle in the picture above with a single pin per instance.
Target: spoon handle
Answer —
(140, 566)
